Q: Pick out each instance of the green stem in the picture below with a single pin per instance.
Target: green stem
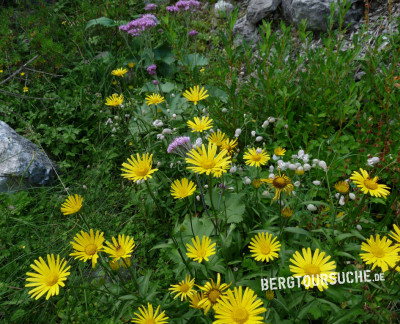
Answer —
(154, 198)
(212, 203)
(180, 253)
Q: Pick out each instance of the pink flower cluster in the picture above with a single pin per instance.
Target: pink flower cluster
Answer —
(137, 26)
(150, 7)
(184, 5)
(180, 146)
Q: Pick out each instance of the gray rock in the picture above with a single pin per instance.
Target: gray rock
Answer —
(22, 163)
(259, 9)
(222, 7)
(317, 11)
(246, 30)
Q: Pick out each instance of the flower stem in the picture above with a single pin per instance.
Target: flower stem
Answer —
(154, 198)
(212, 204)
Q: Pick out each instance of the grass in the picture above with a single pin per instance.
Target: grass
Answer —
(317, 106)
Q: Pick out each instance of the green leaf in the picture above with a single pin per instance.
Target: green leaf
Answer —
(167, 87)
(297, 230)
(235, 207)
(192, 60)
(103, 21)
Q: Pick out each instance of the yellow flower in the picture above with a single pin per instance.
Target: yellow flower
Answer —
(299, 171)
(313, 266)
(279, 151)
(257, 183)
(369, 185)
(287, 212)
(239, 308)
(195, 299)
(202, 70)
(217, 138)
(184, 288)
(115, 100)
(130, 143)
(131, 65)
(1, 71)
(279, 183)
(229, 146)
(121, 248)
(25, 89)
(87, 246)
(380, 252)
(212, 293)
(200, 250)
(396, 234)
(49, 277)
(139, 168)
(342, 187)
(149, 316)
(22, 73)
(256, 157)
(119, 72)
(154, 99)
(264, 248)
(114, 82)
(200, 125)
(269, 294)
(182, 189)
(64, 22)
(196, 94)
(72, 205)
(206, 161)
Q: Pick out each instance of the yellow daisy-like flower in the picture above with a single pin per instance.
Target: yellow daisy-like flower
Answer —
(229, 146)
(380, 252)
(212, 293)
(25, 89)
(184, 288)
(280, 183)
(121, 249)
(200, 251)
(369, 185)
(217, 138)
(149, 316)
(182, 189)
(208, 161)
(396, 234)
(131, 65)
(195, 299)
(256, 157)
(269, 294)
(287, 212)
(279, 151)
(342, 187)
(316, 267)
(72, 204)
(49, 277)
(239, 308)
(115, 100)
(87, 246)
(119, 72)
(154, 99)
(257, 183)
(200, 125)
(264, 248)
(196, 94)
(139, 168)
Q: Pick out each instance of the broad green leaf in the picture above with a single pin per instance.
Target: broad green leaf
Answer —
(103, 21)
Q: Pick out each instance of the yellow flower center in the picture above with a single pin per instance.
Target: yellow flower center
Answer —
(378, 252)
(52, 280)
(142, 171)
(372, 185)
(119, 251)
(279, 182)
(240, 315)
(150, 321)
(265, 249)
(312, 270)
(91, 249)
(184, 288)
(201, 253)
(214, 295)
(208, 164)
(257, 157)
